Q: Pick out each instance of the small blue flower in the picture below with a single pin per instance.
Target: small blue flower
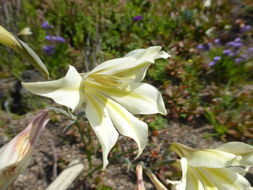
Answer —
(244, 56)
(227, 51)
(46, 25)
(200, 46)
(137, 18)
(217, 41)
(209, 45)
(212, 63)
(49, 49)
(239, 60)
(250, 49)
(49, 38)
(59, 39)
(237, 40)
(216, 58)
(203, 47)
(55, 38)
(234, 44)
(246, 28)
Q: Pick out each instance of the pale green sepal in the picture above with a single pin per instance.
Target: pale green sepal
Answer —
(32, 58)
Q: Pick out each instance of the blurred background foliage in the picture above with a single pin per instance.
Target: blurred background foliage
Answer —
(208, 80)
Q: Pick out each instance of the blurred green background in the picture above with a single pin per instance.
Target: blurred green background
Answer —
(208, 80)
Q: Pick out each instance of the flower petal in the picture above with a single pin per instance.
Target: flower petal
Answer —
(242, 150)
(210, 158)
(67, 91)
(239, 169)
(192, 181)
(225, 179)
(134, 64)
(102, 125)
(141, 98)
(16, 155)
(181, 185)
(126, 123)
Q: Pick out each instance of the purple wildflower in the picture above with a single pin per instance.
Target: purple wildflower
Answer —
(216, 58)
(200, 46)
(49, 49)
(49, 38)
(59, 39)
(209, 45)
(238, 39)
(46, 25)
(211, 63)
(55, 38)
(234, 44)
(232, 54)
(246, 28)
(227, 51)
(239, 60)
(137, 18)
(217, 41)
(244, 56)
(250, 49)
(203, 47)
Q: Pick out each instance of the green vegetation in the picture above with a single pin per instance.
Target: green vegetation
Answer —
(202, 82)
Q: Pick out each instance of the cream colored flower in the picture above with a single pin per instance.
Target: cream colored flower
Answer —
(212, 169)
(9, 40)
(109, 93)
(25, 31)
(16, 155)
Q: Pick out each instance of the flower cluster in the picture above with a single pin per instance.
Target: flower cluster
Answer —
(50, 49)
(234, 49)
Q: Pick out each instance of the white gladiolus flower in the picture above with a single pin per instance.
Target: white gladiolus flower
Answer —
(25, 31)
(16, 155)
(213, 169)
(207, 3)
(109, 93)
